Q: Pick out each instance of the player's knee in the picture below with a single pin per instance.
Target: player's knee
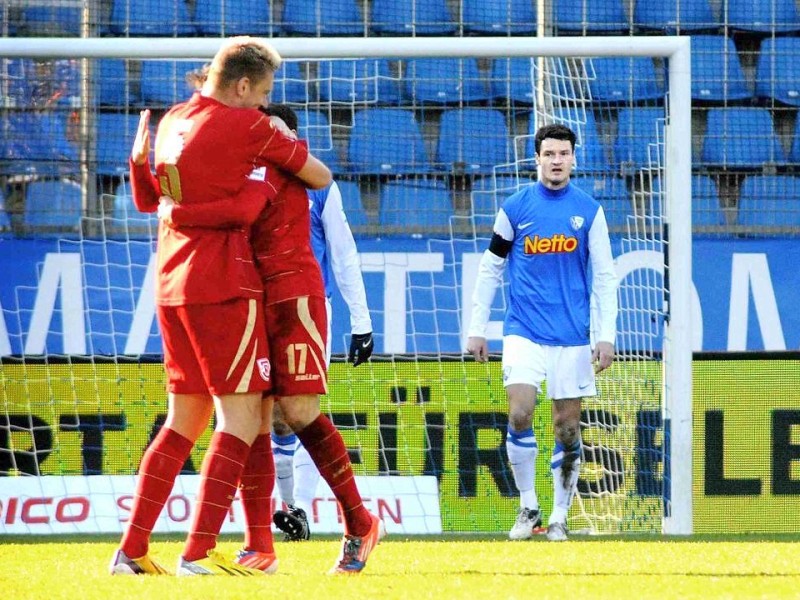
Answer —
(520, 419)
(281, 427)
(567, 432)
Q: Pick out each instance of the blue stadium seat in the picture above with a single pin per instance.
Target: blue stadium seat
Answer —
(706, 206)
(514, 79)
(773, 16)
(590, 149)
(794, 152)
(65, 86)
(778, 70)
(368, 81)
(611, 192)
(387, 141)
(322, 17)
(489, 193)
(741, 137)
(638, 130)
(316, 129)
(292, 84)
(51, 20)
(233, 17)
(125, 214)
(114, 140)
(444, 80)
(351, 202)
(624, 79)
(38, 143)
(113, 85)
(52, 203)
(675, 16)
(19, 76)
(717, 73)
(769, 201)
(499, 17)
(473, 141)
(415, 204)
(5, 221)
(151, 17)
(164, 81)
(40, 84)
(411, 17)
(595, 16)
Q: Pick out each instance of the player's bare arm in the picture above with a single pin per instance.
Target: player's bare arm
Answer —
(315, 174)
(602, 356)
(478, 347)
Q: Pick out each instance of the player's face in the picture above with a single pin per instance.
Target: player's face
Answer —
(255, 93)
(555, 160)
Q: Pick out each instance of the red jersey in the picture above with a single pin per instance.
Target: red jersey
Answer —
(204, 152)
(281, 238)
(281, 234)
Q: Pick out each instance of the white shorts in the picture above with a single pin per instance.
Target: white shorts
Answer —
(567, 369)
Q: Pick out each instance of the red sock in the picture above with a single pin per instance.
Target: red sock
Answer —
(255, 490)
(161, 464)
(222, 468)
(326, 447)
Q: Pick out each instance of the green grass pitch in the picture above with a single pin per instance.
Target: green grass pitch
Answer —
(452, 567)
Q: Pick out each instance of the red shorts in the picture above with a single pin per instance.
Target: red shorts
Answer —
(215, 348)
(298, 331)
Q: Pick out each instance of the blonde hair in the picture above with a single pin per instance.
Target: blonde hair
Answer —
(243, 56)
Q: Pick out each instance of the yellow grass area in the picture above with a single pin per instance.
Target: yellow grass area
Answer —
(490, 570)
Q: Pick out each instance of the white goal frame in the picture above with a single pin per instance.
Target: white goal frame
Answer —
(677, 363)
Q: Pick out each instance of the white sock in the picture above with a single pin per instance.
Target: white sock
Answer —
(522, 451)
(283, 449)
(306, 478)
(563, 492)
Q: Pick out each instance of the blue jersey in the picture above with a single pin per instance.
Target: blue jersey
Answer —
(316, 204)
(548, 266)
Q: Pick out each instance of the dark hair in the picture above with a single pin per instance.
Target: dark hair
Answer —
(284, 112)
(554, 132)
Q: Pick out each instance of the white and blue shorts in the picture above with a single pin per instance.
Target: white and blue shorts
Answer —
(568, 370)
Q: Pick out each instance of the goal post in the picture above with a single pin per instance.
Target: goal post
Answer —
(671, 217)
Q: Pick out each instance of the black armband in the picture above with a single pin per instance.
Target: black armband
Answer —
(499, 246)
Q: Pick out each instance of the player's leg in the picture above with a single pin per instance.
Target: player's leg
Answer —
(255, 491)
(570, 376)
(231, 347)
(306, 474)
(299, 327)
(284, 443)
(523, 372)
(293, 521)
(306, 480)
(188, 416)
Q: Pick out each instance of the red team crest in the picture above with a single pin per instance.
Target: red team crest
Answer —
(264, 368)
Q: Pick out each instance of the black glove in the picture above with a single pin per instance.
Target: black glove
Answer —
(361, 345)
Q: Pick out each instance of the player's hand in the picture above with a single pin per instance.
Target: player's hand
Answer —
(141, 143)
(478, 347)
(361, 346)
(165, 206)
(602, 356)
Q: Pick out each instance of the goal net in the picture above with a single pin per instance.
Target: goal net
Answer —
(426, 137)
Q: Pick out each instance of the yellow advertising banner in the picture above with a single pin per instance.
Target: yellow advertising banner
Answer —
(448, 419)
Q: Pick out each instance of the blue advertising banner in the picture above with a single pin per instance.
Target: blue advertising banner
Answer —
(93, 297)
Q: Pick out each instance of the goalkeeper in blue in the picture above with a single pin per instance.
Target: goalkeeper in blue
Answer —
(552, 239)
(335, 249)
